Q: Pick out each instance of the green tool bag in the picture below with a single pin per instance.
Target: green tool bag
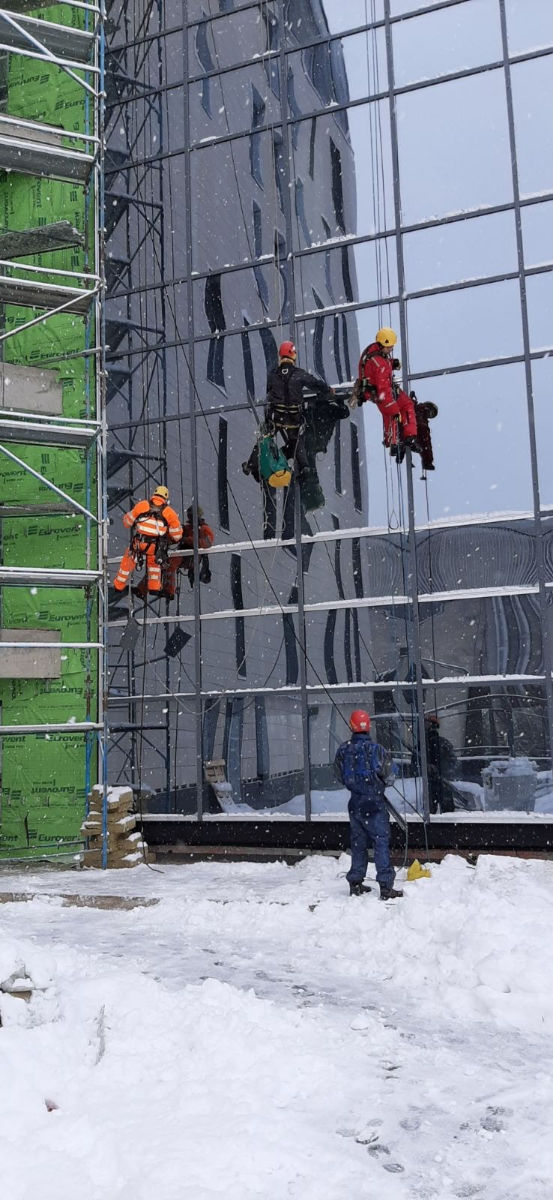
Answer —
(273, 466)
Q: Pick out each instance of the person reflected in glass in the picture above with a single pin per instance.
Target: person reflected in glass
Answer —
(185, 562)
(442, 764)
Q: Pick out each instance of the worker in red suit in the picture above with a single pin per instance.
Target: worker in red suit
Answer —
(375, 382)
(185, 562)
(154, 526)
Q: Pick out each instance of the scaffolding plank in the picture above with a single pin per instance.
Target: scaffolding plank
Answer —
(35, 433)
(32, 294)
(21, 243)
(56, 577)
(61, 40)
(34, 149)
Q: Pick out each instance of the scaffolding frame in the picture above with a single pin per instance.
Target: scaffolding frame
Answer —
(45, 151)
(131, 359)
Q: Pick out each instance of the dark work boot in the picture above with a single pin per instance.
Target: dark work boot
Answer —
(389, 893)
(358, 889)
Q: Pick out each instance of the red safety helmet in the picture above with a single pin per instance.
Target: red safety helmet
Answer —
(287, 350)
(359, 722)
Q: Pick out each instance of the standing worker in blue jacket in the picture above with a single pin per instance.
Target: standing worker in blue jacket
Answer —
(365, 768)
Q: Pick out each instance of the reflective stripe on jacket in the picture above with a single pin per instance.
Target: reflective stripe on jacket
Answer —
(149, 525)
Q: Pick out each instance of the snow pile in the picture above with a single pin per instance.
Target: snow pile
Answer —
(260, 1035)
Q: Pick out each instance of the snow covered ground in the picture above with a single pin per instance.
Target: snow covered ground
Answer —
(255, 1034)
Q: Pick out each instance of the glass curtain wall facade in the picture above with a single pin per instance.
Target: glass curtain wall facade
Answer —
(315, 170)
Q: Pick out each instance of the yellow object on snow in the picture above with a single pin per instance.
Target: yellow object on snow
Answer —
(417, 872)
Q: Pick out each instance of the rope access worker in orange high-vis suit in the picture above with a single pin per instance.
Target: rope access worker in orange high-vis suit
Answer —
(153, 526)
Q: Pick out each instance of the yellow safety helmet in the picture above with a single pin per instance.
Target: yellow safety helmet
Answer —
(386, 337)
(163, 492)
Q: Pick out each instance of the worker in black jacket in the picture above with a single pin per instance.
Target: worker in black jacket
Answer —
(284, 405)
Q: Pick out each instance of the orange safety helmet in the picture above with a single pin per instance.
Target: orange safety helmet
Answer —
(359, 722)
(287, 350)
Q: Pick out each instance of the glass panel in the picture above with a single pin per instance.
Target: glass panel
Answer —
(336, 359)
(537, 232)
(443, 42)
(174, 231)
(230, 103)
(171, 50)
(336, 72)
(334, 192)
(500, 635)
(248, 579)
(528, 25)
(345, 646)
(344, 275)
(489, 753)
(232, 39)
(237, 299)
(481, 446)
(352, 568)
(539, 291)
(166, 717)
(476, 556)
(542, 375)
(258, 740)
(145, 318)
(466, 163)
(251, 652)
(533, 101)
(306, 21)
(229, 369)
(463, 250)
(142, 128)
(244, 172)
(469, 325)
(234, 505)
(167, 376)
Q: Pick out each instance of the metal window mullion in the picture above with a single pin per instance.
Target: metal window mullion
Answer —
(287, 206)
(412, 558)
(540, 551)
(198, 702)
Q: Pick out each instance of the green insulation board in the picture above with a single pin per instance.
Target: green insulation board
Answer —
(44, 777)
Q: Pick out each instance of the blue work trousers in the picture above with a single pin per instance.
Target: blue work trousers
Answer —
(369, 826)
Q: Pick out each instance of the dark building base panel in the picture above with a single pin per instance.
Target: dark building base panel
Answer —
(189, 836)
